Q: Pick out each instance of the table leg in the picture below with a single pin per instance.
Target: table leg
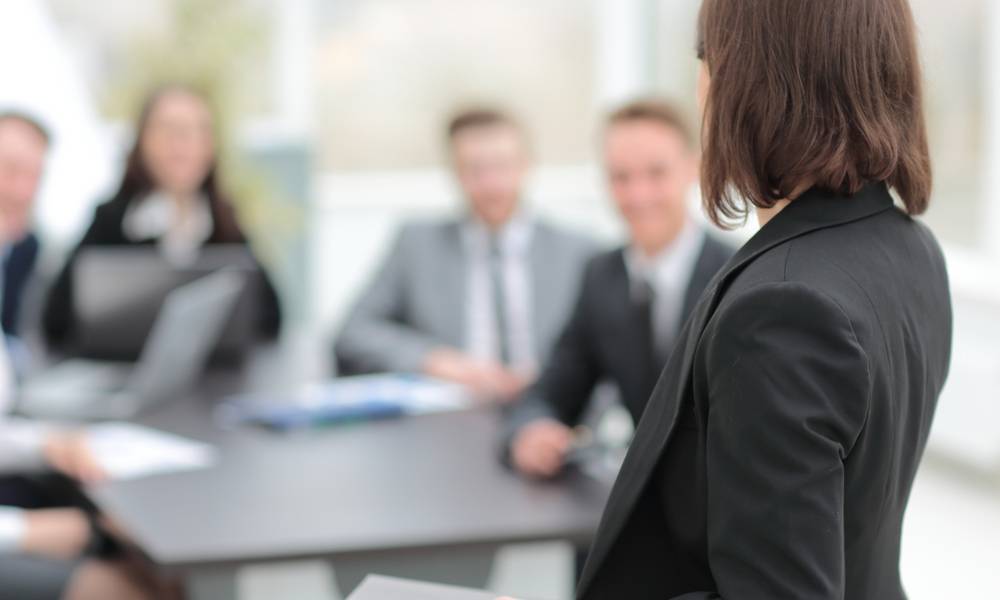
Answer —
(217, 583)
(465, 567)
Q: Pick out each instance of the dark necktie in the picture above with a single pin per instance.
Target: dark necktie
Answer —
(644, 303)
(499, 300)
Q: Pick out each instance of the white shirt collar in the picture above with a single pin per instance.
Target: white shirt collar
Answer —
(154, 217)
(514, 235)
(672, 266)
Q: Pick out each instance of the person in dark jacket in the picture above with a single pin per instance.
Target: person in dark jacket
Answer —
(24, 143)
(170, 197)
(18, 268)
(634, 299)
(776, 455)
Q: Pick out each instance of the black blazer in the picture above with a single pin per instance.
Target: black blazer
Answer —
(602, 341)
(777, 452)
(59, 318)
(18, 266)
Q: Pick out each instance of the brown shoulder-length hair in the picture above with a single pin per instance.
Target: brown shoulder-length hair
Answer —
(804, 94)
(137, 181)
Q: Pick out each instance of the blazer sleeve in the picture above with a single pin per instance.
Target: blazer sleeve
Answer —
(269, 319)
(58, 316)
(789, 388)
(375, 337)
(568, 379)
(18, 272)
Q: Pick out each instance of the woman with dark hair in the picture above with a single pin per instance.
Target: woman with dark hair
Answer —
(169, 197)
(776, 455)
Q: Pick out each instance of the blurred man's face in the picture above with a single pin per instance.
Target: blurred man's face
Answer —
(491, 164)
(650, 170)
(22, 160)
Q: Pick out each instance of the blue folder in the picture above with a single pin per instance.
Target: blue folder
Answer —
(344, 400)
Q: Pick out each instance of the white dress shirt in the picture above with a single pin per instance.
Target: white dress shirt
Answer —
(178, 236)
(668, 273)
(514, 240)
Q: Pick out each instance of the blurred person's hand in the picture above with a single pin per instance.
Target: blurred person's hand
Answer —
(60, 533)
(70, 454)
(539, 449)
(485, 378)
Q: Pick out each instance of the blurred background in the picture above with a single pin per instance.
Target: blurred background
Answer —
(332, 134)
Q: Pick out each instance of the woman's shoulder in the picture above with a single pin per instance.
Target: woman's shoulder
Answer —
(106, 222)
(113, 207)
(783, 320)
(775, 287)
(852, 265)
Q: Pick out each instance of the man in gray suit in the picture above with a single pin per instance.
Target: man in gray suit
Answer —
(478, 300)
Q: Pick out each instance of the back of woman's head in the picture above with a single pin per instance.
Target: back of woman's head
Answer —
(810, 93)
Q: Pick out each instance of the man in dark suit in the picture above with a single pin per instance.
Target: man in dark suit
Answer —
(23, 146)
(633, 299)
(18, 266)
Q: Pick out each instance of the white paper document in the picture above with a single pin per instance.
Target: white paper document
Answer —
(376, 587)
(127, 451)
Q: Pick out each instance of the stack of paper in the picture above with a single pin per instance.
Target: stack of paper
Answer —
(127, 451)
(376, 587)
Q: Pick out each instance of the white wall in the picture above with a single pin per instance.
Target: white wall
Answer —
(42, 76)
(991, 170)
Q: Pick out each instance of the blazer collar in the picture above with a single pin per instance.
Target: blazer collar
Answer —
(814, 210)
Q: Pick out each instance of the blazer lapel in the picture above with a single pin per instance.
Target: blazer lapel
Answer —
(704, 269)
(814, 210)
(452, 286)
(542, 280)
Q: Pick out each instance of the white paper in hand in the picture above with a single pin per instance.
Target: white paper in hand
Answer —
(127, 451)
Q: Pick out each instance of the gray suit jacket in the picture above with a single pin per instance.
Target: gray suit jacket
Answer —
(416, 302)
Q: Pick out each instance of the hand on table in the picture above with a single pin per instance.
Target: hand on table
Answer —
(485, 378)
(70, 454)
(539, 449)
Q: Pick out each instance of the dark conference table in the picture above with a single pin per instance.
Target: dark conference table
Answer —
(421, 497)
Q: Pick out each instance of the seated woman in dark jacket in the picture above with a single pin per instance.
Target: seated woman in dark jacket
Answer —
(169, 197)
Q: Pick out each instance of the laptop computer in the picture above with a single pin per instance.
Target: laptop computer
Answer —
(113, 320)
(186, 330)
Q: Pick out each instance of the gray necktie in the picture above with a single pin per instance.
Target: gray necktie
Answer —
(499, 300)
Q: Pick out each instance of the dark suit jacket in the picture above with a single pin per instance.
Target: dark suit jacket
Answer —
(18, 266)
(59, 319)
(602, 341)
(778, 449)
